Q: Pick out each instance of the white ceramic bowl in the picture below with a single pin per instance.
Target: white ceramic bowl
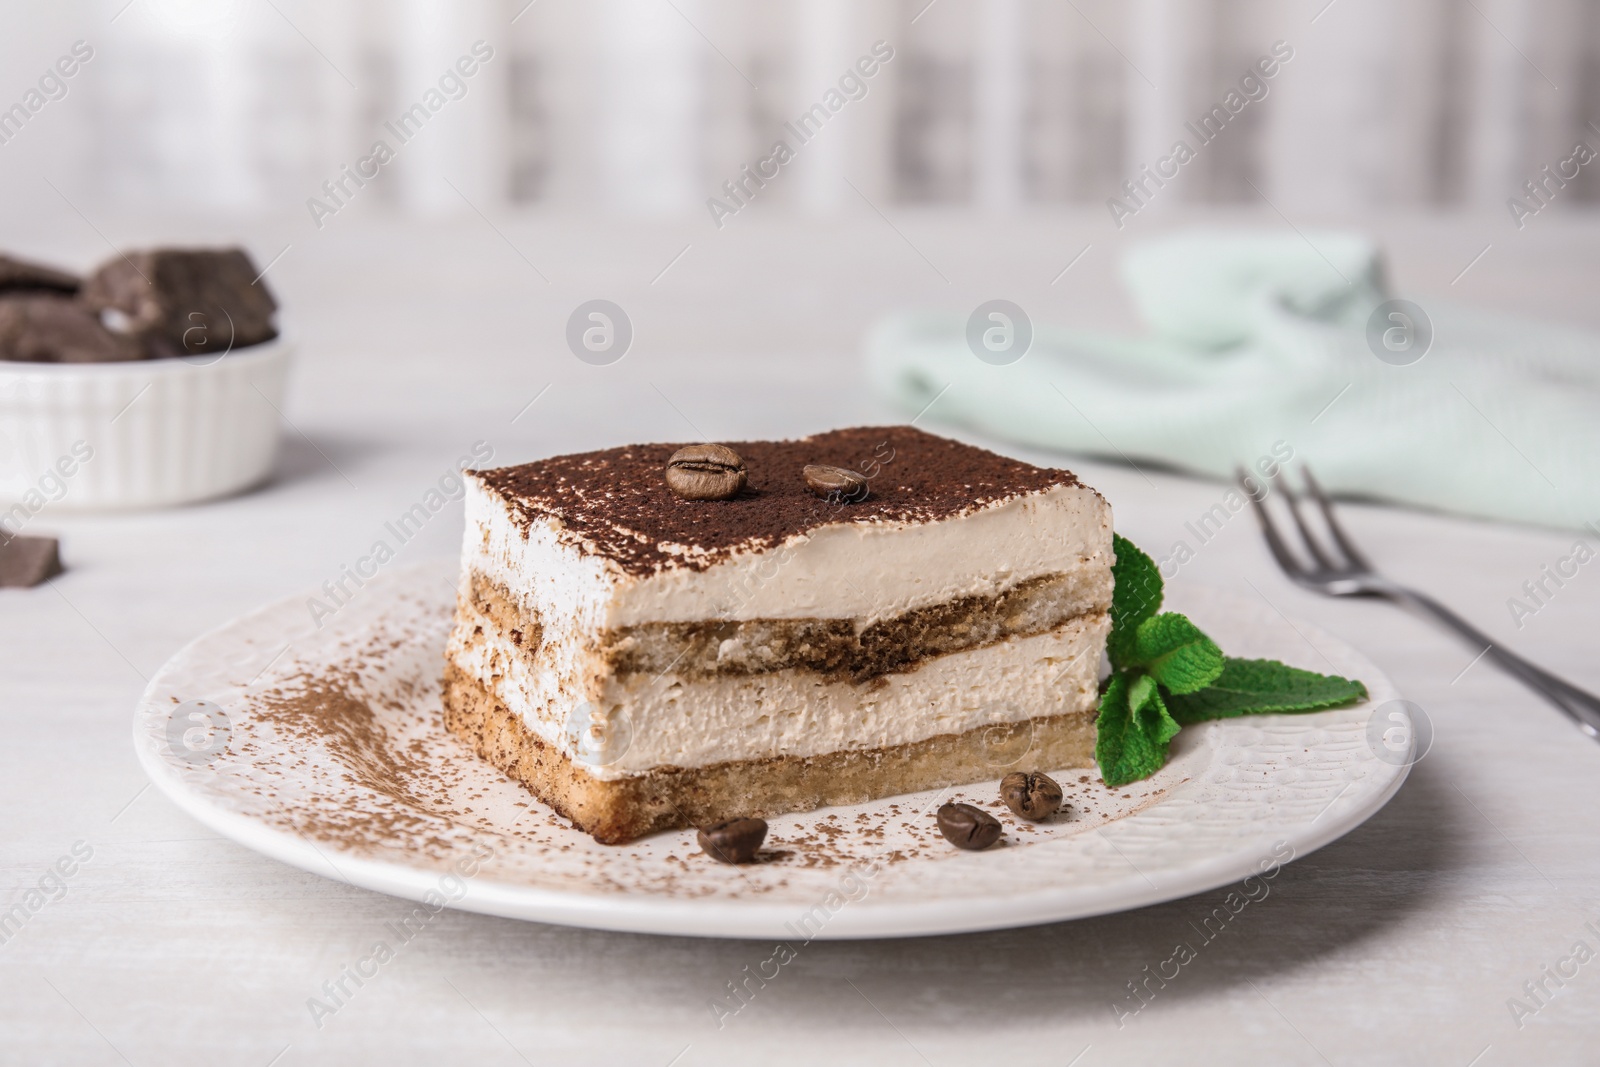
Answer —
(138, 435)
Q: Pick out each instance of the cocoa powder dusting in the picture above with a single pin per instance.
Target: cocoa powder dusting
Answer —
(616, 503)
(354, 756)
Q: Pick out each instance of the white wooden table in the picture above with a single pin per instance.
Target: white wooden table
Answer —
(1401, 943)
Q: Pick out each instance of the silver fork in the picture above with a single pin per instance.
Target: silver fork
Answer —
(1339, 569)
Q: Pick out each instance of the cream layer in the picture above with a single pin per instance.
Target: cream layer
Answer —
(623, 725)
(862, 571)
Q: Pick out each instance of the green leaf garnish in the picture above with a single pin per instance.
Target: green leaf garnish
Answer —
(1262, 686)
(1176, 653)
(1167, 673)
(1134, 729)
(1135, 597)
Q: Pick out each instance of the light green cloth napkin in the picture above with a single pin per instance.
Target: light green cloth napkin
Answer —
(1259, 341)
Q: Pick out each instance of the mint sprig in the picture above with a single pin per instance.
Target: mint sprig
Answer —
(1166, 673)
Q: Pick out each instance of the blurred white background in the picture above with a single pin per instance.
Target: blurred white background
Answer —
(429, 312)
(648, 106)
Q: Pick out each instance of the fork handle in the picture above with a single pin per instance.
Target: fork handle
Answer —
(1581, 707)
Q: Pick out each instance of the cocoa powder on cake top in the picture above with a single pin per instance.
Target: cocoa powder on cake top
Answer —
(616, 503)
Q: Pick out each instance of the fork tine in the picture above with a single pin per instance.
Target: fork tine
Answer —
(1345, 544)
(1280, 551)
(1312, 544)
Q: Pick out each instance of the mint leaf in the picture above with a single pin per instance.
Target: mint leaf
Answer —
(1133, 730)
(1134, 598)
(1176, 653)
(1264, 686)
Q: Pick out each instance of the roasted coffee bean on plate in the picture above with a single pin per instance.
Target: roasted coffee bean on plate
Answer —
(1030, 794)
(733, 841)
(706, 472)
(965, 826)
(838, 484)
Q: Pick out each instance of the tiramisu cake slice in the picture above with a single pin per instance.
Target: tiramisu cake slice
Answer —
(643, 661)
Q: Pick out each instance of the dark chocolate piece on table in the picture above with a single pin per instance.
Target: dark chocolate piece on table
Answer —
(57, 329)
(26, 561)
(18, 275)
(181, 302)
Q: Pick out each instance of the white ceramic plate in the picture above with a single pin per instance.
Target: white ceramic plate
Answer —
(322, 746)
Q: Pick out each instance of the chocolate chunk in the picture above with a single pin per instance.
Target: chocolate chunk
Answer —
(182, 302)
(18, 275)
(58, 329)
(26, 561)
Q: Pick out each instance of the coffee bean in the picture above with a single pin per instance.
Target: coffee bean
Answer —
(965, 826)
(1031, 795)
(837, 484)
(705, 472)
(733, 841)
